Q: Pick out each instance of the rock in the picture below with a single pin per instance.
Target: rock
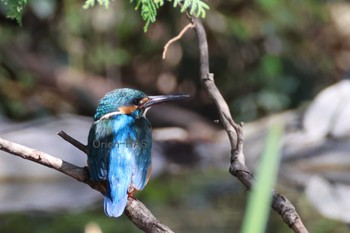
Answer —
(329, 113)
(331, 200)
(319, 153)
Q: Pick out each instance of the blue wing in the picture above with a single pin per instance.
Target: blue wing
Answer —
(100, 136)
(142, 162)
(120, 153)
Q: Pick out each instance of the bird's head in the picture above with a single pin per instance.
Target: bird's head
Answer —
(129, 101)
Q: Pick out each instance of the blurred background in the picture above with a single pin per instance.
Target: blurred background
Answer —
(270, 60)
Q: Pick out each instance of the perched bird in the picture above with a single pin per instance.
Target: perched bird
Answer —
(119, 145)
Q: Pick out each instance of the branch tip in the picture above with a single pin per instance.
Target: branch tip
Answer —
(176, 38)
(73, 141)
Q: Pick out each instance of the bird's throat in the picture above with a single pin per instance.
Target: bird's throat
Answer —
(108, 115)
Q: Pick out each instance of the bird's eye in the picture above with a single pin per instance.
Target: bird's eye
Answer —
(136, 101)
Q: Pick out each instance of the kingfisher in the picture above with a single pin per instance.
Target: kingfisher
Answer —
(119, 145)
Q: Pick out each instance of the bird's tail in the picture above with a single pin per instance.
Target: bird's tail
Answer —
(119, 180)
(115, 208)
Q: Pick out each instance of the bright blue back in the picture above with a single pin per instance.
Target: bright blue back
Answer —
(119, 153)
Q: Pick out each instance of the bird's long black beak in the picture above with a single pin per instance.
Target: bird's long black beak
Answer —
(159, 99)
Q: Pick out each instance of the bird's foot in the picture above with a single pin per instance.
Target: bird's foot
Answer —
(131, 192)
(131, 196)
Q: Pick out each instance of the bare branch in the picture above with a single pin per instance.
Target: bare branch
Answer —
(235, 134)
(176, 38)
(135, 210)
(143, 218)
(207, 80)
(288, 213)
(73, 141)
(45, 159)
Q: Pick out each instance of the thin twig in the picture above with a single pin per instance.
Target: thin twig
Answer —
(178, 37)
(235, 133)
(73, 141)
(135, 210)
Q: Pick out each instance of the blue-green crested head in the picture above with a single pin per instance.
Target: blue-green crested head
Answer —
(123, 100)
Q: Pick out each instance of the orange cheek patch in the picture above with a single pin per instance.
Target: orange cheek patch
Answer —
(127, 109)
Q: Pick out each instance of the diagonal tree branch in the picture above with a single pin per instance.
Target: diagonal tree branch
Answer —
(235, 133)
(45, 159)
(135, 210)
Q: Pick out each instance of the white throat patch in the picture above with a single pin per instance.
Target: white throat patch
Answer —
(108, 115)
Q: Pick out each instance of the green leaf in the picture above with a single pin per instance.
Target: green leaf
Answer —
(196, 7)
(258, 208)
(14, 9)
(149, 8)
(185, 5)
(91, 3)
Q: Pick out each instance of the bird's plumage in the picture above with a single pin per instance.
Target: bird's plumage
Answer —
(119, 148)
(121, 154)
(119, 145)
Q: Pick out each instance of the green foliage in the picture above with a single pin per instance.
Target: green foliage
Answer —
(196, 7)
(14, 9)
(149, 8)
(91, 3)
